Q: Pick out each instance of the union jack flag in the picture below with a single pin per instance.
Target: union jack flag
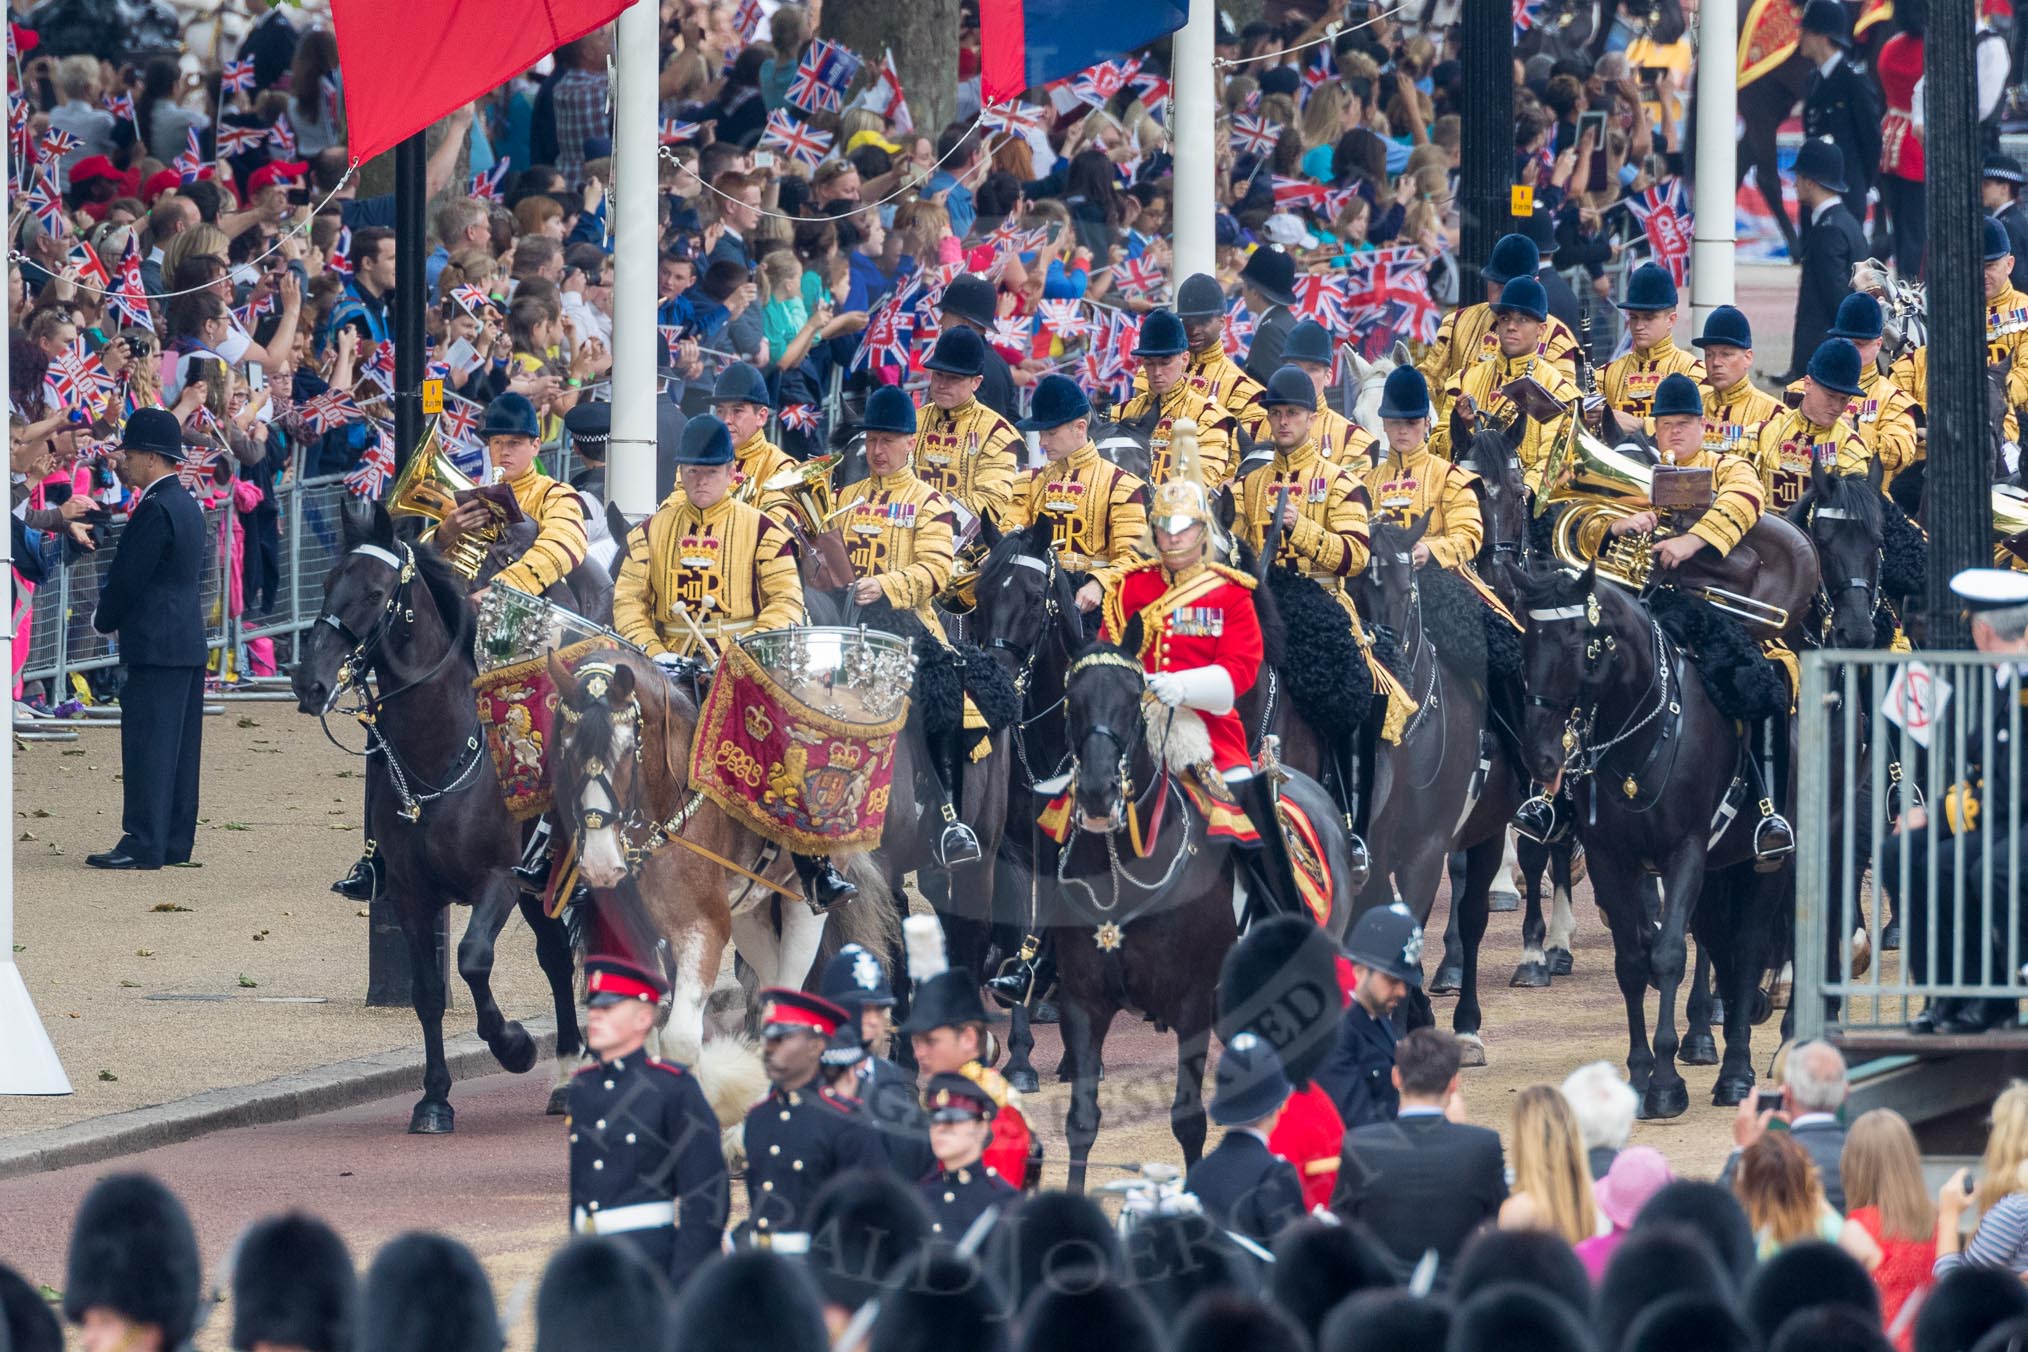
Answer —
(799, 417)
(119, 105)
(1108, 364)
(486, 186)
(1154, 92)
(800, 142)
(329, 410)
(672, 339)
(1139, 277)
(1527, 13)
(240, 140)
(1010, 334)
(675, 132)
(1319, 70)
(748, 18)
(886, 339)
(340, 261)
(1097, 84)
(1299, 192)
(1254, 135)
(822, 76)
(1015, 119)
(46, 203)
(1337, 200)
(237, 77)
(199, 470)
(56, 144)
(1064, 318)
(1235, 333)
(21, 135)
(370, 477)
(473, 299)
(1665, 218)
(895, 108)
(379, 367)
(77, 379)
(129, 298)
(1324, 299)
(190, 163)
(459, 422)
(283, 135)
(91, 269)
(1009, 237)
(1388, 292)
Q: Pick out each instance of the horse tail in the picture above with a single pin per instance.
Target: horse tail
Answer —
(871, 921)
(730, 1072)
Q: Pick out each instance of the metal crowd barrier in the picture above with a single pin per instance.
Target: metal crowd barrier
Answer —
(62, 642)
(1877, 730)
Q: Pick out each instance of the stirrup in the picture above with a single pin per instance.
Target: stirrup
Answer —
(1358, 860)
(1773, 839)
(826, 889)
(533, 868)
(958, 844)
(1014, 984)
(363, 883)
(1537, 820)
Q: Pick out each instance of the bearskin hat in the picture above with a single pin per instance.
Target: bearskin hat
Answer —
(1318, 1265)
(1046, 1235)
(756, 1302)
(427, 1293)
(133, 1251)
(1281, 982)
(601, 1293)
(1828, 1328)
(1965, 1305)
(1509, 1315)
(1689, 1324)
(1651, 1263)
(1223, 1322)
(293, 1285)
(1806, 1275)
(1534, 1257)
(1387, 1320)
(26, 1321)
(863, 1225)
(1171, 1260)
(1711, 1212)
(937, 1301)
(1088, 1312)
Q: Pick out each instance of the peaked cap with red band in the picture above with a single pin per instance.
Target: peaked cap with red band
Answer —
(794, 1011)
(610, 980)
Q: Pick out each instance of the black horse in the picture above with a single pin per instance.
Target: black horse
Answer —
(394, 612)
(1144, 902)
(1659, 777)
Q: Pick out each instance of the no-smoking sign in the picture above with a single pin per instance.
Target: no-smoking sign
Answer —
(1915, 701)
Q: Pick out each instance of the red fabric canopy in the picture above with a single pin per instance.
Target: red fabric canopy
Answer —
(407, 63)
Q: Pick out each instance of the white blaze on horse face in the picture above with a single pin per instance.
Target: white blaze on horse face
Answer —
(602, 860)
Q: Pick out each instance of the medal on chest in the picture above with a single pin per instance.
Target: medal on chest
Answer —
(1197, 621)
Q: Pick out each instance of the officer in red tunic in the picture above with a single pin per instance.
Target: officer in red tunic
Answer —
(1200, 641)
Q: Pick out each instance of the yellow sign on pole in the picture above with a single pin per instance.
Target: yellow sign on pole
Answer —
(1521, 200)
(433, 397)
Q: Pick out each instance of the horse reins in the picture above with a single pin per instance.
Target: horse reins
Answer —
(354, 670)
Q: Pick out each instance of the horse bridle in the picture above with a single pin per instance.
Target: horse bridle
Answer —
(595, 684)
(360, 651)
(1866, 586)
(1124, 746)
(1580, 754)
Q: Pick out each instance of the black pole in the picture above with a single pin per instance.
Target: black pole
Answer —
(1956, 496)
(1487, 155)
(388, 973)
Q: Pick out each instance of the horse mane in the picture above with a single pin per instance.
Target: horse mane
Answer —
(1031, 541)
(1549, 584)
(1853, 493)
(1488, 452)
(447, 592)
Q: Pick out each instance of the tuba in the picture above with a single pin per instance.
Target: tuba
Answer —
(2010, 522)
(428, 488)
(1597, 487)
(807, 486)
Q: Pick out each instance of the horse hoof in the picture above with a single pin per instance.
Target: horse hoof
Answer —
(559, 1101)
(1731, 1090)
(1025, 1081)
(1890, 938)
(1698, 1049)
(1500, 902)
(1663, 1101)
(514, 1049)
(432, 1119)
(1043, 1011)
(1532, 974)
(1763, 1008)
(1448, 979)
(1471, 1050)
(1560, 961)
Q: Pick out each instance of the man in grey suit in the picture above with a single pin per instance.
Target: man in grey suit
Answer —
(1813, 1090)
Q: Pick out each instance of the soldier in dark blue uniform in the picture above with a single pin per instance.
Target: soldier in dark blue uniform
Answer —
(1386, 954)
(856, 982)
(1241, 1184)
(962, 1187)
(645, 1158)
(801, 1135)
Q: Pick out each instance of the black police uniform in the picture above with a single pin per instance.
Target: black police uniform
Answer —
(1839, 107)
(887, 1094)
(643, 1137)
(1245, 1187)
(150, 599)
(1359, 1072)
(797, 1140)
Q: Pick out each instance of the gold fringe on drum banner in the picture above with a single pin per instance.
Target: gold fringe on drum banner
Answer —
(812, 783)
(517, 708)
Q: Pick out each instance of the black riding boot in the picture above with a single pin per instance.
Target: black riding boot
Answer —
(533, 870)
(1773, 838)
(957, 844)
(1014, 983)
(824, 887)
(365, 880)
(1269, 867)
(1358, 789)
(1542, 818)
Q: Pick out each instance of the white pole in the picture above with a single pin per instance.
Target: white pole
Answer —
(1194, 204)
(28, 1062)
(636, 185)
(1712, 244)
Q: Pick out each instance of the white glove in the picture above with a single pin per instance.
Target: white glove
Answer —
(1206, 688)
(669, 661)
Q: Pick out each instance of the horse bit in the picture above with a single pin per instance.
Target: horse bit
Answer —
(596, 682)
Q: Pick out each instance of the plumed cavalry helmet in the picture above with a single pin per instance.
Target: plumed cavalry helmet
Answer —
(1181, 499)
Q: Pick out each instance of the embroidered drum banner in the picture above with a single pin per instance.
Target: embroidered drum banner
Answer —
(517, 708)
(802, 777)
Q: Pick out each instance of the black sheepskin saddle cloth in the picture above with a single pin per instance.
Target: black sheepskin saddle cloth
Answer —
(1904, 554)
(1741, 682)
(944, 675)
(1471, 639)
(1319, 662)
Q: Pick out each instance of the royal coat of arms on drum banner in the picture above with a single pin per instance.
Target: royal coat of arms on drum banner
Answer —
(793, 772)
